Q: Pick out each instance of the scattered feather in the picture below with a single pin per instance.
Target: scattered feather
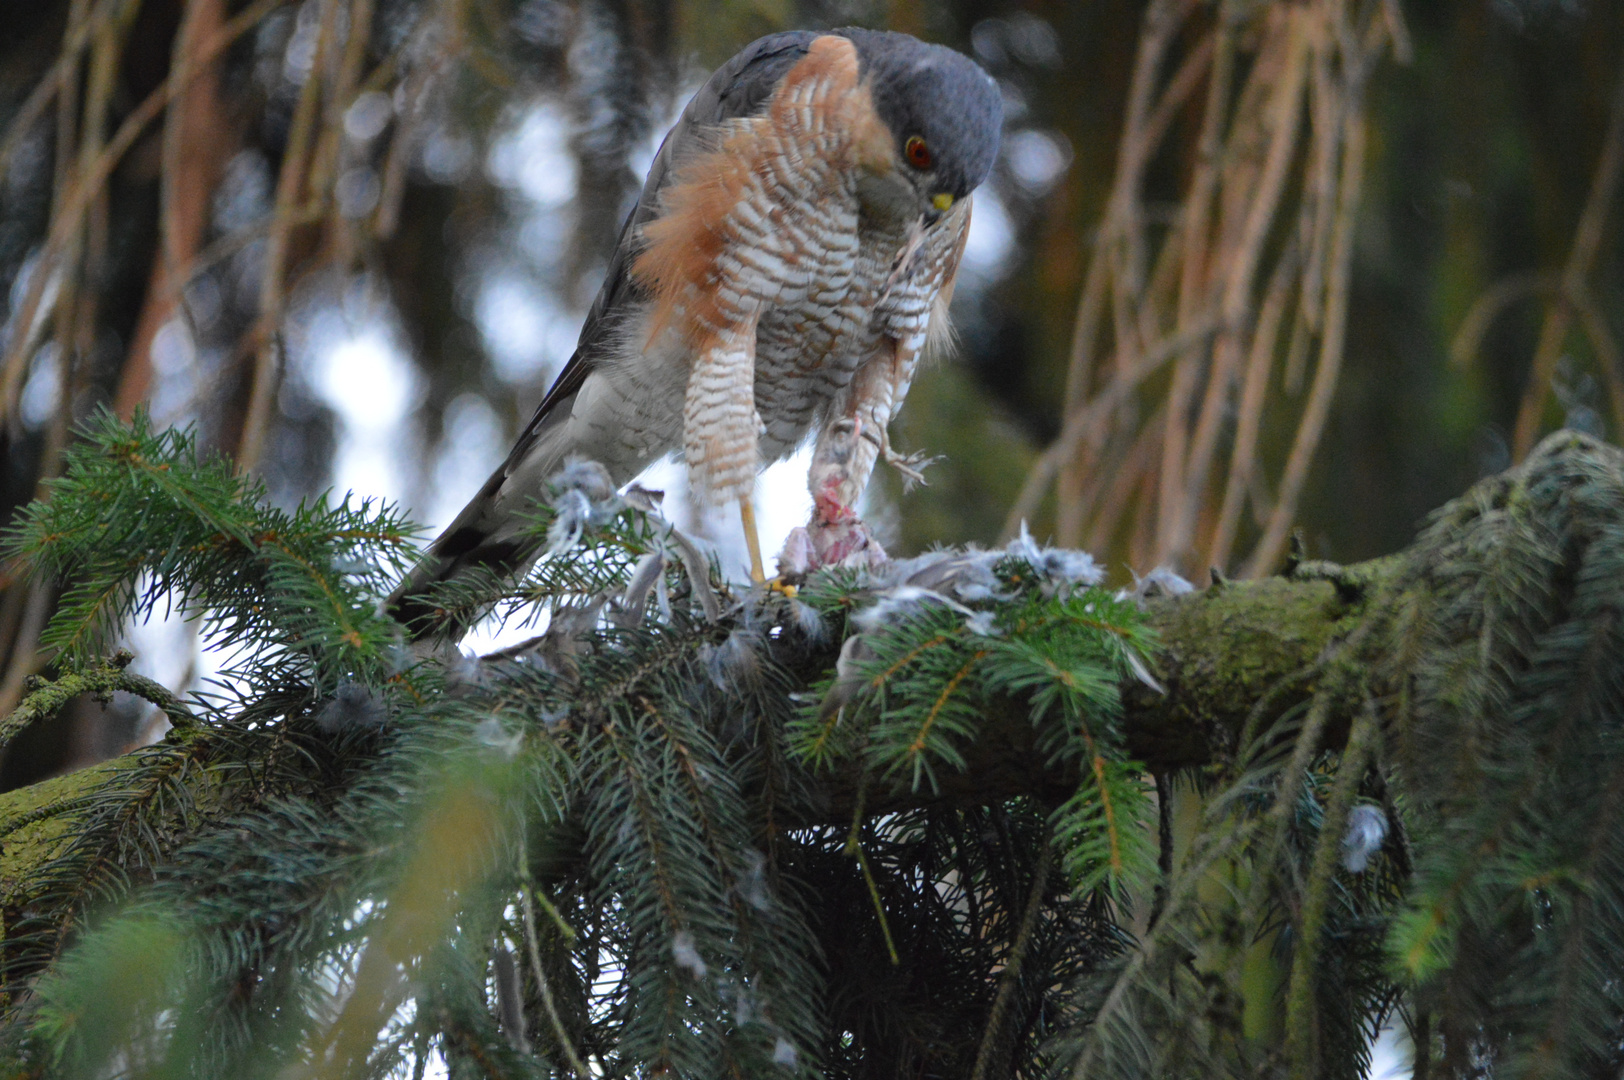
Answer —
(848, 683)
(894, 605)
(1162, 581)
(698, 571)
(686, 955)
(650, 568)
(734, 662)
(1367, 829)
(753, 883)
(1061, 569)
(464, 669)
(743, 996)
(588, 477)
(662, 598)
(490, 732)
(645, 499)
(982, 623)
(572, 512)
(808, 622)
(1141, 672)
(583, 495)
(354, 706)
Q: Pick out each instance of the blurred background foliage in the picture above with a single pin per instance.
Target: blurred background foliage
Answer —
(1362, 252)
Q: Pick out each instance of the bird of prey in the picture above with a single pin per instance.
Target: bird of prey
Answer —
(793, 248)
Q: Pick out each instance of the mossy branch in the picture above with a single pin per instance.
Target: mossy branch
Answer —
(101, 680)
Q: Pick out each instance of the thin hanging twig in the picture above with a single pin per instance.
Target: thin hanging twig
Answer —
(1266, 199)
(193, 122)
(61, 74)
(76, 202)
(290, 188)
(1463, 349)
(1139, 461)
(1329, 367)
(1259, 364)
(1117, 264)
(1553, 333)
(1240, 268)
(1081, 425)
(1609, 358)
(1194, 279)
(1012, 966)
(537, 972)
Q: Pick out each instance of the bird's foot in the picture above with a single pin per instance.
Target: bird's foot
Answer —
(911, 466)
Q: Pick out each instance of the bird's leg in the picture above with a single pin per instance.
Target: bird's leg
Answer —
(752, 540)
(758, 571)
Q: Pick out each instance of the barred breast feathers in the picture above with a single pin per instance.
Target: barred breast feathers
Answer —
(736, 219)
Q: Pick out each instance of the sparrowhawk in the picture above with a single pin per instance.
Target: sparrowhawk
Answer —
(793, 248)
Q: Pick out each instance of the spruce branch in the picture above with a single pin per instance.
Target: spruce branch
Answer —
(687, 783)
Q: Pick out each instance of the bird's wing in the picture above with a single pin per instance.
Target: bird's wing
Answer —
(739, 88)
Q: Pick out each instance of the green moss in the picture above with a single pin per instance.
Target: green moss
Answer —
(44, 811)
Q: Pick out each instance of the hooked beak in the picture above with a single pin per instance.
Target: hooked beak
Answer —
(939, 205)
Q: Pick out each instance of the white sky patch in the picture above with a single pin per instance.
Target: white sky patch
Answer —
(782, 502)
(351, 356)
(436, 1067)
(1391, 1056)
(20, 288)
(166, 651)
(470, 447)
(446, 156)
(493, 636)
(365, 378)
(532, 156)
(642, 157)
(174, 367)
(368, 116)
(42, 393)
(526, 332)
(992, 236)
(170, 651)
(1037, 159)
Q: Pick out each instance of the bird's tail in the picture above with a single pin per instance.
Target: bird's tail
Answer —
(494, 537)
(479, 541)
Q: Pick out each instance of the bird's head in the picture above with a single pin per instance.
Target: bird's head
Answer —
(944, 114)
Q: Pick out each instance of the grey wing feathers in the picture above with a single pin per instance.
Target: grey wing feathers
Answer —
(738, 88)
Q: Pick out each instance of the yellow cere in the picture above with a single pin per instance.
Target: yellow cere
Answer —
(942, 201)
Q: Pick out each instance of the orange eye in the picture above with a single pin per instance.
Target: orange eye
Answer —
(917, 153)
